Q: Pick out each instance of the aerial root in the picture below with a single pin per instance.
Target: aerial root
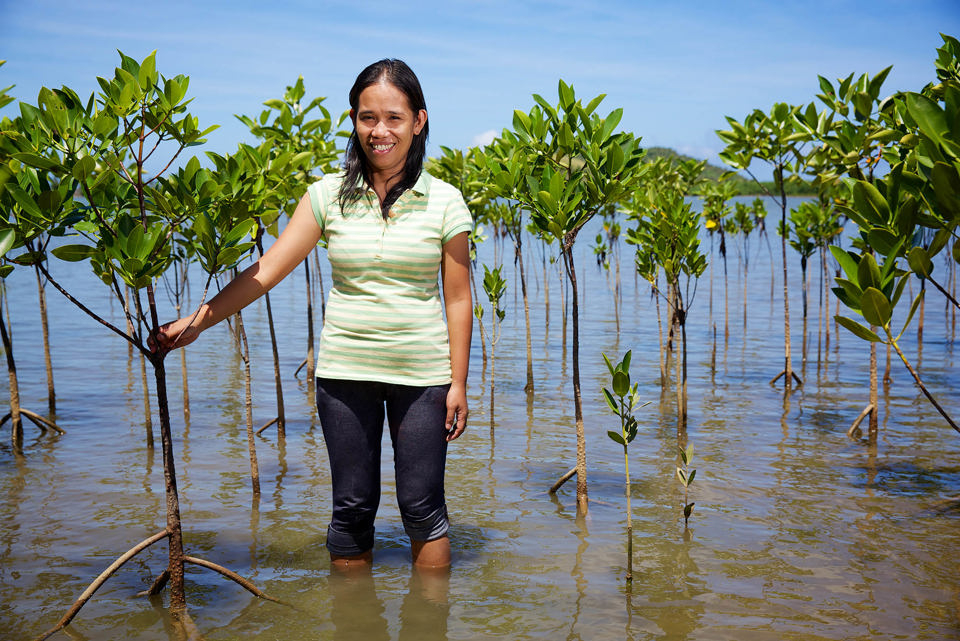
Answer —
(38, 420)
(157, 585)
(854, 430)
(100, 580)
(302, 365)
(563, 479)
(41, 422)
(233, 576)
(793, 375)
(269, 423)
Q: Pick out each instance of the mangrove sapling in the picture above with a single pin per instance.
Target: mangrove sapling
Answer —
(873, 291)
(577, 167)
(303, 138)
(685, 474)
(623, 400)
(503, 181)
(494, 286)
(29, 222)
(669, 241)
(715, 196)
(100, 148)
(776, 138)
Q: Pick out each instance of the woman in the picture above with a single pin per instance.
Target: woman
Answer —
(384, 349)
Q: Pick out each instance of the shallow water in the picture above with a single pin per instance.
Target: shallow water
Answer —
(798, 532)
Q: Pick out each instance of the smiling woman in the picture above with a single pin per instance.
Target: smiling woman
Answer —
(385, 351)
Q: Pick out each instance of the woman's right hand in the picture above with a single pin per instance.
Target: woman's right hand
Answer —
(178, 333)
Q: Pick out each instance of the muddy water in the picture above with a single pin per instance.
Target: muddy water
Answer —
(798, 531)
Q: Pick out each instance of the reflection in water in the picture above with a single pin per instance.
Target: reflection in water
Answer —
(358, 613)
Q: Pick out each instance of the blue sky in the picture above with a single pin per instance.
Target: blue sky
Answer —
(676, 68)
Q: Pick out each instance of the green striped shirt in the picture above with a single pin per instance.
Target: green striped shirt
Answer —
(384, 320)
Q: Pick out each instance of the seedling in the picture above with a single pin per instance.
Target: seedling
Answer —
(623, 400)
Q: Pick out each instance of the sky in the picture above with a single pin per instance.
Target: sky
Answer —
(676, 68)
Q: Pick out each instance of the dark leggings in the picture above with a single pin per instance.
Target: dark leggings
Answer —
(351, 416)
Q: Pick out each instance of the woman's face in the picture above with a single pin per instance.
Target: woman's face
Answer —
(385, 126)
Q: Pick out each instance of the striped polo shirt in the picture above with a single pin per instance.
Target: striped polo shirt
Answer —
(384, 319)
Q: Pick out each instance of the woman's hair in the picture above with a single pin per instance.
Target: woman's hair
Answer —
(356, 166)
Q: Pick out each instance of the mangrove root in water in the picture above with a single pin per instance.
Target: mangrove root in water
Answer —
(38, 420)
(854, 431)
(792, 373)
(233, 576)
(100, 580)
(563, 479)
(268, 424)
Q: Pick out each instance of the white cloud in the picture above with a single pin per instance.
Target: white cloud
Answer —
(484, 138)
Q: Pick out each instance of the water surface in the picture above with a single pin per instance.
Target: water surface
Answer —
(798, 531)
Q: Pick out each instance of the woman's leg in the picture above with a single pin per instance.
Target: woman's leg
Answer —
(351, 416)
(416, 416)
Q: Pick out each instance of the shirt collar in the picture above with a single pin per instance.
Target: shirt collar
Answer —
(422, 186)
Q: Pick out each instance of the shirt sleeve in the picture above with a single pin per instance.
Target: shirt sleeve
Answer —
(456, 217)
(318, 202)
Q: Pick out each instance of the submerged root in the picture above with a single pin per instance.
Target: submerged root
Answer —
(100, 580)
(37, 420)
(269, 423)
(302, 365)
(233, 576)
(793, 375)
(41, 422)
(563, 479)
(854, 432)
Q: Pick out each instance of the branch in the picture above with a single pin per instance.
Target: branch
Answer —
(157, 175)
(923, 388)
(90, 313)
(944, 292)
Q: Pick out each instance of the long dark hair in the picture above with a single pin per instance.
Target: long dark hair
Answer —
(356, 166)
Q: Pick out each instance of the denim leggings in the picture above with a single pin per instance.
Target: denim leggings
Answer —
(351, 416)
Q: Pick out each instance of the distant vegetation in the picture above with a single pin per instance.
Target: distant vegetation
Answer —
(744, 184)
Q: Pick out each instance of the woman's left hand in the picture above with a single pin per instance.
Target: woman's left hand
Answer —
(456, 410)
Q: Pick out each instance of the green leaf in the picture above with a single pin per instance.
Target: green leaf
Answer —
(687, 510)
(621, 383)
(868, 273)
(7, 238)
(875, 307)
(23, 199)
(847, 261)
(83, 167)
(930, 118)
(883, 240)
(73, 253)
(616, 437)
(920, 262)
(870, 203)
(36, 160)
(608, 396)
(858, 329)
(693, 474)
(609, 364)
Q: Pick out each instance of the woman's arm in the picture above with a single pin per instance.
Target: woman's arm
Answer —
(297, 240)
(455, 269)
